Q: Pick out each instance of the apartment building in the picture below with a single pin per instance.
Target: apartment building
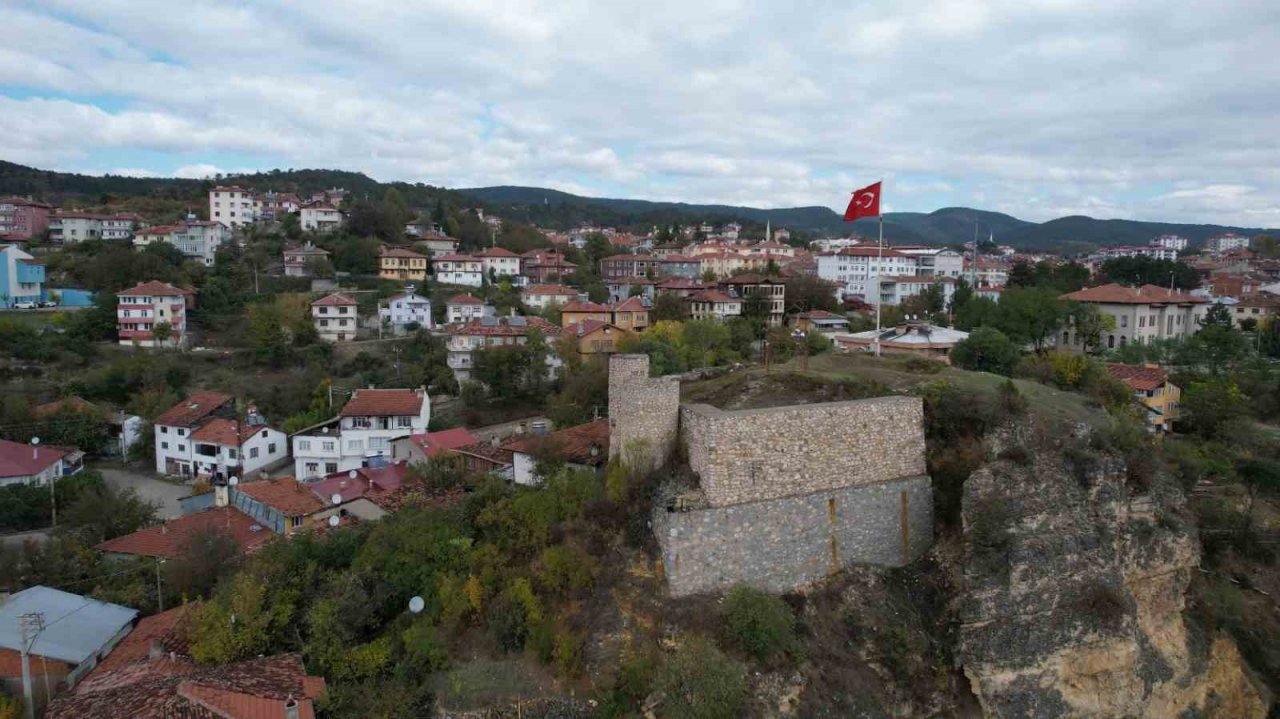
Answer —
(1172, 242)
(197, 239)
(142, 307)
(935, 261)
(397, 263)
(499, 262)
(492, 332)
(362, 433)
(859, 267)
(23, 219)
(465, 308)
(72, 227)
(335, 317)
(21, 277)
(1226, 243)
(1141, 314)
(319, 216)
(465, 270)
(234, 206)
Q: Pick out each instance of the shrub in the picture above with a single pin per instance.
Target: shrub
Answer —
(567, 653)
(760, 625)
(700, 682)
(563, 568)
(1017, 454)
(986, 350)
(423, 650)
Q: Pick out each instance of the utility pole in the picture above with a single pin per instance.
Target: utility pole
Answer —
(159, 590)
(31, 625)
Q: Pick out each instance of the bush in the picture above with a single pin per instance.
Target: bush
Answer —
(986, 350)
(700, 682)
(562, 569)
(760, 625)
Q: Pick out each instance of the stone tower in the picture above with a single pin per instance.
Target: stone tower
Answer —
(644, 411)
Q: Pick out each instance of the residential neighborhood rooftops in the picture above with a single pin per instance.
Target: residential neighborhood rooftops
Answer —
(581, 444)
(25, 460)
(432, 443)
(76, 627)
(400, 252)
(223, 431)
(1138, 377)
(285, 494)
(168, 539)
(383, 403)
(1144, 295)
(715, 296)
(193, 409)
(586, 327)
(504, 326)
(578, 306)
(496, 252)
(465, 299)
(631, 304)
(336, 299)
(154, 289)
(551, 290)
(167, 630)
(457, 258)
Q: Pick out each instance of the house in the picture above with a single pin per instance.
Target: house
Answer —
(540, 296)
(72, 227)
(36, 464)
(196, 239)
(491, 332)
(367, 493)
(595, 337)
(202, 435)
(631, 314)
(912, 337)
(1261, 307)
(1153, 390)
(361, 434)
(498, 262)
(23, 219)
(545, 266)
(437, 245)
(422, 228)
(751, 285)
(713, 304)
(465, 308)
(405, 310)
(585, 446)
(171, 537)
(397, 263)
(319, 216)
(77, 633)
(147, 305)
(578, 311)
(623, 287)
(459, 270)
(894, 290)
(991, 292)
(234, 206)
(820, 321)
(335, 317)
(1141, 314)
(426, 445)
(299, 261)
(681, 287)
(166, 685)
(21, 277)
(652, 266)
(275, 205)
(283, 505)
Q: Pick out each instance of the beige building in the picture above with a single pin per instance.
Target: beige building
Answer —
(397, 263)
(335, 317)
(1141, 314)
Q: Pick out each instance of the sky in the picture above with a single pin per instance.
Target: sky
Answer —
(1038, 108)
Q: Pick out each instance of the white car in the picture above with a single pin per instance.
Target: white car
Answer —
(24, 305)
(48, 303)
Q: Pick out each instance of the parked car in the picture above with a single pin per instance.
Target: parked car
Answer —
(24, 305)
(48, 303)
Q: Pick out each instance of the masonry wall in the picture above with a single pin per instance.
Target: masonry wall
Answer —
(644, 411)
(752, 455)
(781, 544)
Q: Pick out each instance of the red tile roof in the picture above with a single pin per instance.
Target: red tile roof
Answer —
(153, 289)
(713, 296)
(383, 403)
(168, 630)
(223, 431)
(465, 299)
(751, 278)
(551, 290)
(577, 306)
(194, 408)
(631, 304)
(1144, 295)
(166, 540)
(286, 495)
(400, 252)
(335, 299)
(869, 251)
(1138, 377)
(504, 328)
(586, 327)
(582, 444)
(432, 443)
(68, 404)
(497, 252)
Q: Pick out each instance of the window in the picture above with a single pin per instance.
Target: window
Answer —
(313, 468)
(304, 445)
(182, 432)
(404, 421)
(271, 448)
(330, 467)
(355, 445)
(164, 430)
(231, 454)
(164, 445)
(377, 443)
(182, 448)
(328, 446)
(1124, 320)
(295, 521)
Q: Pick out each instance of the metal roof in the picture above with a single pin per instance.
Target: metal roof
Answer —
(76, 627)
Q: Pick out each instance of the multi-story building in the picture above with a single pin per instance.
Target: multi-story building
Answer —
(545, 266)
(859, 267)
(204, 435)
(141, 308)
(422, 228)
(540, 296)
(1153, 390)
(491, 332)
(71, 227)
(459, 270)
(1224, 243)
(465, 308)
(276, 205)
(405, 310)
(714, 305)
(362, 433)
(935, 261)
(397, 263)
(896, 290)
(631, 314)
(1172, 242)
(196, 239)
(21, 277)
(499, 262)
(298, 261)
(234, 206)
(1141, 314)
(23, 219)
(1155, 252)
(987, 272)
(437, 245)
(652, 266)
(620, 288)
(771, 288)
(319, 216)
(335, 317)
(1260, 307)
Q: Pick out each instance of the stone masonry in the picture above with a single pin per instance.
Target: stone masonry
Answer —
(644, 411)
(752, 455)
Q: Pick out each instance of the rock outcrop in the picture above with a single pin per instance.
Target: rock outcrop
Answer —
(1074, 590)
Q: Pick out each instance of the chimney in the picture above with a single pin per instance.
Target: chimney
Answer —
(156, 650)
(290, 708)
(221, 495)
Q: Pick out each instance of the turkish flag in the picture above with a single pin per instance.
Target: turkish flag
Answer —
(865, 203)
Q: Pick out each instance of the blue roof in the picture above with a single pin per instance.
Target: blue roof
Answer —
(76, 627)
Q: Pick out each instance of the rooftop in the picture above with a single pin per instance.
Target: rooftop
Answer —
(25, 460)
(383, 403)
(551, 290)
(153, 289)
(223, 431)
(167, 540)
(432, 443)
(1144, 295)
(194, 408)
(1139, 377)
(465, 299)
(285, 494)
(76, 627)
(582, 444)
(334, 300)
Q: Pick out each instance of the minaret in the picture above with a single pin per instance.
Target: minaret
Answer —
(768, 231)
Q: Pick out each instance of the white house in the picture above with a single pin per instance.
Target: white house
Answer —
(464, 308)
(335, 317)
(141, 307)
(439, 245)
(234, 206)
(466, 339)
(33, 464)
(71, 227)
(714, 305)
(498, 262)
(459, 270)
(196, 239)
(202, 435)
(319, 217)
(585, 446)
(1141, 314)
(405, 309)
(362, 433)
(857, 267)
(540, 296)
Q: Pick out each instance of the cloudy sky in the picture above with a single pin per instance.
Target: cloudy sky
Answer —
(1039, 108)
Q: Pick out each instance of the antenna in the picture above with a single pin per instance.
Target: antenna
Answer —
(336, 498)
(334, 520)
(417, 605)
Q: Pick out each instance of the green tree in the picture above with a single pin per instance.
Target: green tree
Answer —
(700, 682)
(760, 625)
(1213, 408)
(1028, 314)
(162, 332)
(667, 306)
(1089, 324)
(987, 349)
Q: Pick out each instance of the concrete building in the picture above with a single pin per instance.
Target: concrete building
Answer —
(499, 262)
(935, 261)
(1152, 389)
(1227, 242)
(465, 308)
(713, 305)
(196, 239)
(494, 332)
(858, 267)
(896, 290)
(23, 219)
(362, 433)
(1155, 252)
(1260, 307)
(202, 436)
(463, 270)
(72, 227)
(771, 288)
(912, 337)
(405, 309)
(142, 307)
(1141, 314)
(1172, 242)
(33, 464)
(397, 263)
(437, 245)
(21, 277)
(335, 317)
(298, 261)
(540, 296)
(234, 206)
(319, 216)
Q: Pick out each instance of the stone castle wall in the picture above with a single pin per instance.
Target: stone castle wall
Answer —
(779, 545)
(752, 455)
(644, 411)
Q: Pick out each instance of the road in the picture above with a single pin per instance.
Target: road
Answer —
(163, 493)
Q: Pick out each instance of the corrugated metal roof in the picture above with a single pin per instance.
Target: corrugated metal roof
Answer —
(75, 626)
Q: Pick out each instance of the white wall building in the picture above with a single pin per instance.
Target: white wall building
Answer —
(30, 464)
(459, 270)
(540, 296)
(1223, 243)
(201, 435)
(935, 261)
(1172, 242)
(1155, 252)
(1141, 314)
(319, 217)
(141, 307)
(234, 206)
(499, 262)
(72, 227)
(464, 308)
(404, 309)
(335, 317)
(196, 239)
(362, 433)
(858, 266)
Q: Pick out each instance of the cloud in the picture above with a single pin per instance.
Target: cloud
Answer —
(1037, 109)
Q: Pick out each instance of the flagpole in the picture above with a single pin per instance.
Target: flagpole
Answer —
(879, 269)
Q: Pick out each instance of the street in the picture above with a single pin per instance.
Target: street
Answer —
(163, 493)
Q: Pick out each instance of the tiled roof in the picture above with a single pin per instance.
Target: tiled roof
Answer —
(432, 443)
(1144, 295)
(630, 258)
(631, 281)
(400, 252)
(166, 540)
(1138, 377)
(457, 258)
(869, 251)
(573, 444)
(221, 430)
(153, 289)
(713, 296)
(631, 304)
(383, 403)
(1260, 299)
(285, 494)
(551, 290)
(193, 409)
(335, 299)
(465, 299)
(496, 252)
(751, 278)
(168, 630)
(682, 284)
(68, 404)
(577, 306)
(503, 327)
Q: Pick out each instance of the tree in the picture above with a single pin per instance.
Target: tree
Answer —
(755, 310)
(986, 350)
(667, 306)
(961, 295)
(1218, 316)
(162, 331)
(761, 625)
(204, 557)
(1260, 476)
(1213, 407)
(700, 682)
(267, 333)
(1149, 271)
(1215, 348)
(1021, 275)
(102, 512)
(808, 292)
(1028, 315)
(1089, 324)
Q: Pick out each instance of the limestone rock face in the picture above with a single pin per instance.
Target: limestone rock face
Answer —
(1073, 598)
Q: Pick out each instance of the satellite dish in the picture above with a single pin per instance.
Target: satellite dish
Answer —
(233, 481)
(416, 605)
(336, 498)
(353, 474)
(334, 520)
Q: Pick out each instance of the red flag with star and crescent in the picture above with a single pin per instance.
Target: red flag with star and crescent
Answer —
(865, 203)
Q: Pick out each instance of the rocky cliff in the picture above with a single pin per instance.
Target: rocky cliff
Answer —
(1073, 592)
